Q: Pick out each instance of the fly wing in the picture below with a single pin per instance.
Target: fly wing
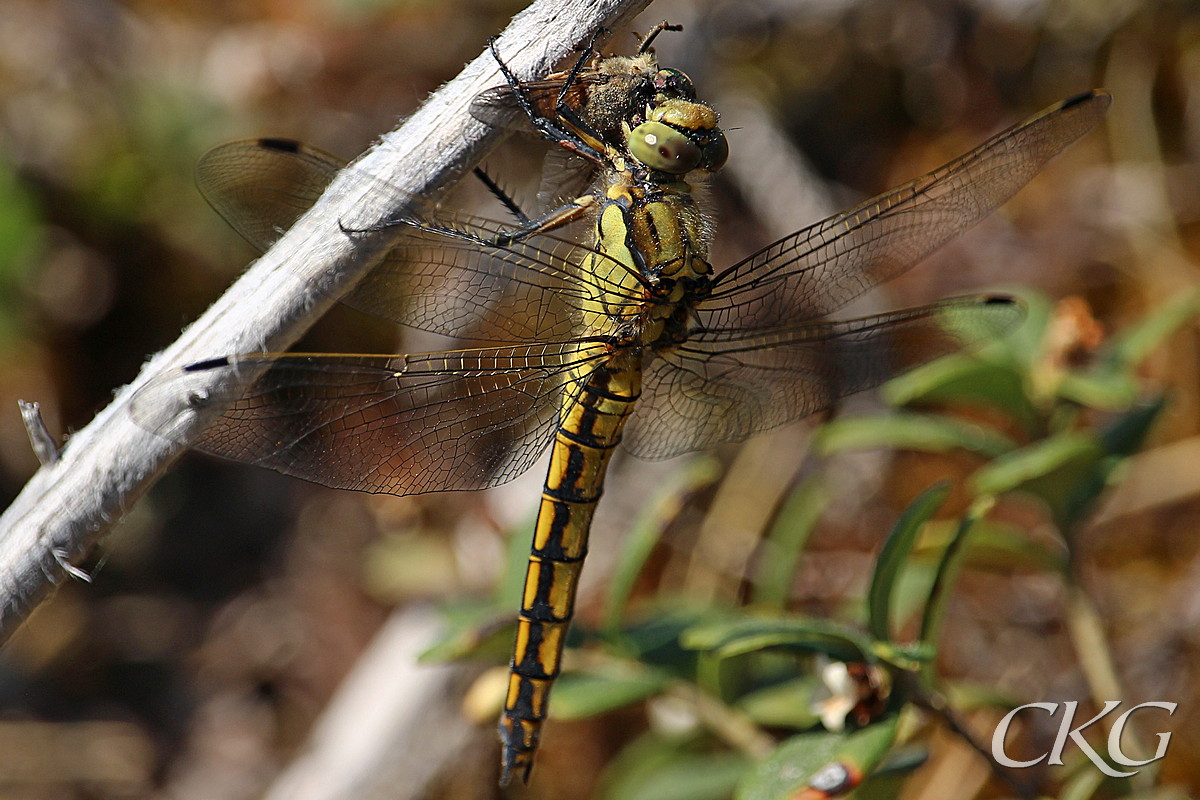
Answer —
(498, 106)
(725, 385)
(817, 270)
(402, 424)
(444, 273)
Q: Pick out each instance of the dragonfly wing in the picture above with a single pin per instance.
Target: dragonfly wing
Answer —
(725, 385)
(262, 186)
(451, 274)
(401, 424)
(445, 279)
(817, 270)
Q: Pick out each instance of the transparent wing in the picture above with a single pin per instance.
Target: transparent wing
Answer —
(725, 385)
(446, 274)
(402, 424)
(817, 270)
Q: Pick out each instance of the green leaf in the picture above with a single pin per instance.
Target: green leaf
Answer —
(1127, 435)
(948, 569)
(585, 694)
(963, 378)
(653, 637)
(653, 768)
(648, 528)
(1105, 390)
(1056, 459)
(1124, 438)
(909, 431)
(1066, 471)
(731, 638)
(473, 630)
(784, 542)
(893, 556)
(819, 755)
(782, 705)
(1084, 784)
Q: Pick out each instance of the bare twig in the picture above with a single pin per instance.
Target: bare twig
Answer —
(105, 467)
(43, 444)
(375, 738)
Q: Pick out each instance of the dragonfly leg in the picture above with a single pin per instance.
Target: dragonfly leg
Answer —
(562, 135)
(555, 218)
(577, 68)
(503, 196)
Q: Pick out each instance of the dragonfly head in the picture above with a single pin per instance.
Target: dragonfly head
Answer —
(679, 136)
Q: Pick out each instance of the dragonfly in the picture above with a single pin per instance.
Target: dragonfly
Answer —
(630, 338)
(599, 93)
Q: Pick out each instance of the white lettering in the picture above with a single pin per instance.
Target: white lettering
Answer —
(1065, 731)
(1001, 734)
(1075, 734)
(1114, 737)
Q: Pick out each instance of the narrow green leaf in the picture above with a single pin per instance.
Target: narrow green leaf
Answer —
(472, 630)
(1024, 345)
(1084, 784)
(585, 694)
(962, 378)
(948, 569)
(656, 769)
(909, 431)
(785, 541)
(1124, 438)
(1065, 451)
(652, 635)
(893, 556)
(647, 529)
(1106, 390)
(993, 376)
(736, 637)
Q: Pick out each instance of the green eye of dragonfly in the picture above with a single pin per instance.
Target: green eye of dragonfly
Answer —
(661, 147)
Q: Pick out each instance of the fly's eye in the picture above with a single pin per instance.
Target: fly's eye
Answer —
(661, 147)
(673, 83)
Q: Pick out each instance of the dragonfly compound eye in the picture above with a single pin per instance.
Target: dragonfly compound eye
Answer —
(661, 147)
(714, 152)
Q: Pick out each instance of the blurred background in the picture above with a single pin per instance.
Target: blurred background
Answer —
(227, 607)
